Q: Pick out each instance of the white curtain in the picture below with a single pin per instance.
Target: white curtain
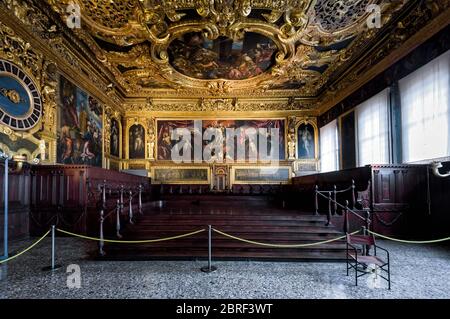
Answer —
(373, 130)
(426, 111)
(329, 147)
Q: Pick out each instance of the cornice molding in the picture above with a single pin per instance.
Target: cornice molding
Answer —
(363, 77)
(54, 44)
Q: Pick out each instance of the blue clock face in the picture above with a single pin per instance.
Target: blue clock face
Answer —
(20, 101)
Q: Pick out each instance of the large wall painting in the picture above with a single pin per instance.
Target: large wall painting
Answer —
(306, 141)
(115, 138)
(177, 175)
(261, 175)
(80, 127)
(165, 144)
(195, 56)
(137, 142)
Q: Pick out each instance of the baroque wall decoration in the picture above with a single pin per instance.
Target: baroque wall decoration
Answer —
(27, 102)
(288, 59)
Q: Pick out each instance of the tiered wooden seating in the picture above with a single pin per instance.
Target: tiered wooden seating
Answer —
(250, 217)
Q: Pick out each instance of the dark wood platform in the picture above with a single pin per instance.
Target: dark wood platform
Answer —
(254, 218)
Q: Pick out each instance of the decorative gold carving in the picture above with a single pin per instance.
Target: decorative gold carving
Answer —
(145, 29)
(226, 104)
(291, 137)
(151, 128)
(11, 95)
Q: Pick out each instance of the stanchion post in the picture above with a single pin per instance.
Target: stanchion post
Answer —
(353, 194)
(209, 268)
(346, 222)
(121, 198)
(329, 209)
(104, 194)
(53, 266)
(118, 219)
(317, 199)
(140, 199)
(101, 244)
(335, 199)
(130, 207)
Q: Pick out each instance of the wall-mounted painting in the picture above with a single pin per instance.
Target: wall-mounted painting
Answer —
(177, 175)
(165, 144)
(262, 175)
(198, 57)
(80, 126)
(306, 141)
(137, 142)
(115, 138)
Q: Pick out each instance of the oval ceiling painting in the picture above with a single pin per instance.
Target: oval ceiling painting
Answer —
(223, 58)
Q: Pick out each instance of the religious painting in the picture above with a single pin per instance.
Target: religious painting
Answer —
(223, 58)
(115, 138)
(136, 142)
(80, 127)
(262, 175)
(181, 175)
(218, 144)
(165, 142)
(306, 142)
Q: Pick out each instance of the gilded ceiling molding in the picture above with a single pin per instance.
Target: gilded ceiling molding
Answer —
(125, 48)
(54, 39)
(422, 23)
(145, 30)
(221, 105)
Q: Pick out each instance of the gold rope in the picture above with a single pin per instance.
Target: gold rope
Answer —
(410, 241)
(131, 241)
(281, 246)
(24, 251)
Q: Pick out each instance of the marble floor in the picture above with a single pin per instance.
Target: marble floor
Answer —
(420, 271)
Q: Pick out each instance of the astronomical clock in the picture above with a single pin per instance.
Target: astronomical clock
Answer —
(20, 101)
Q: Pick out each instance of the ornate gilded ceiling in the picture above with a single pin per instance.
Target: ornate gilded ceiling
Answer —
(281, 48)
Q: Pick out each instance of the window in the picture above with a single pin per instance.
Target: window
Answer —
(329, 147)
(373, 130)
(426, 112)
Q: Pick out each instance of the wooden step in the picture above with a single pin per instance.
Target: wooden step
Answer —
(252, 218)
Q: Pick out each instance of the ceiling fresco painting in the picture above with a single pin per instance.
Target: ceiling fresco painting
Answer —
(225, 47)
(222, 58)
(211, 49)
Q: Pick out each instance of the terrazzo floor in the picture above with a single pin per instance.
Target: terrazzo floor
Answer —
(417, 272)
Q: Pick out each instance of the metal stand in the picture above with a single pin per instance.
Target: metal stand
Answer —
(209, 268)
(53, 266)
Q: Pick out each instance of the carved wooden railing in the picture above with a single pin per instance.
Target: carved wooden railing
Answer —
(361, 202)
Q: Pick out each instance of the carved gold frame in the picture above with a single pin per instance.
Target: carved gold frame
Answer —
(313, 122)
(130, 121)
